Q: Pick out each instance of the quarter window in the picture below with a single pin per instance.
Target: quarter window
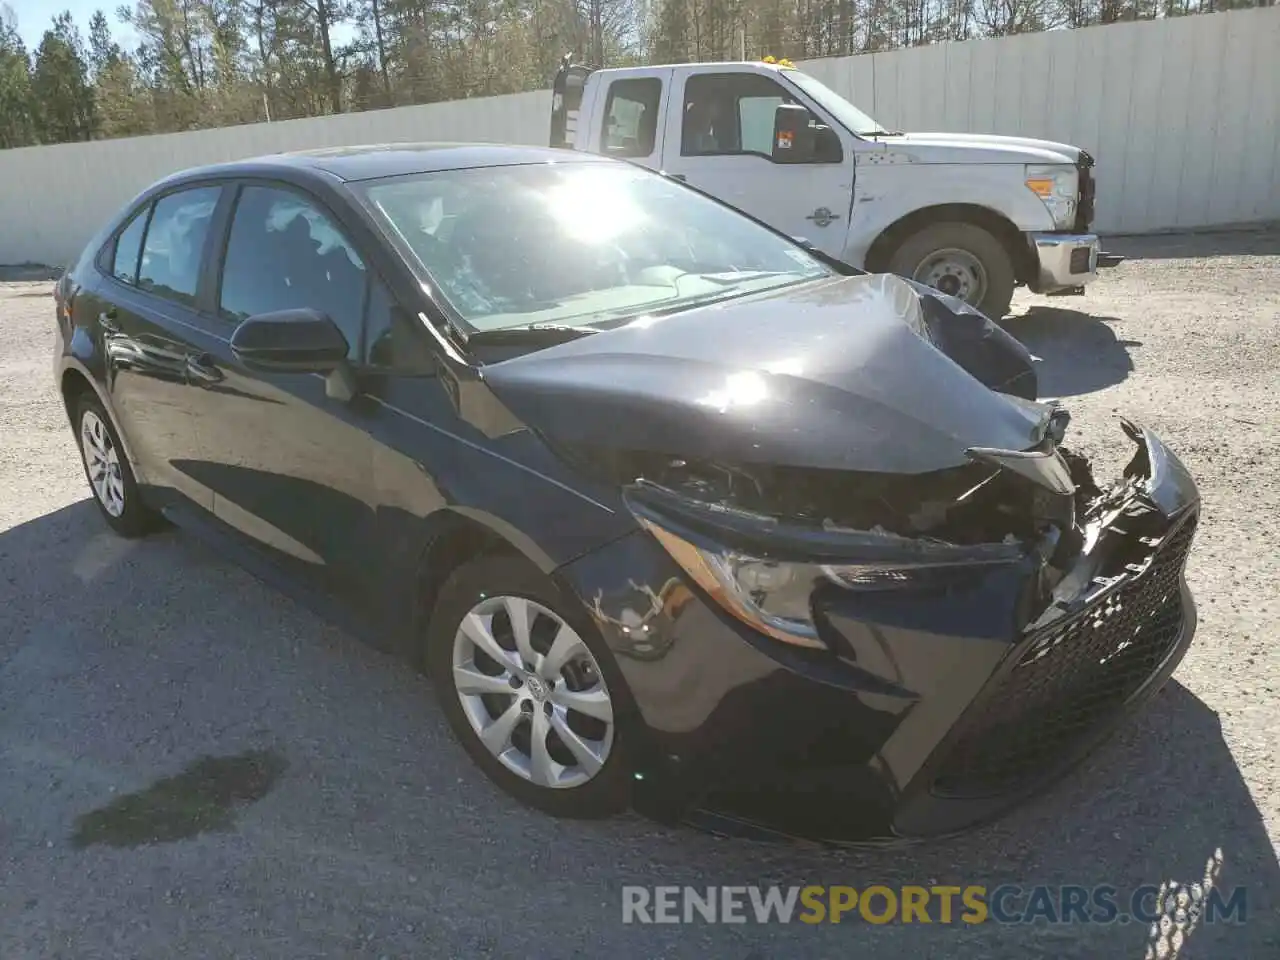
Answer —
(172, 251)
(395, 342)
(124, 263)
(285, 254)
(631, 117)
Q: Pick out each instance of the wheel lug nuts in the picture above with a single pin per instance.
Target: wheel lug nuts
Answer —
(516, 683)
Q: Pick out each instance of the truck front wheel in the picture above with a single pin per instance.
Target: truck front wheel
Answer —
(960, 259)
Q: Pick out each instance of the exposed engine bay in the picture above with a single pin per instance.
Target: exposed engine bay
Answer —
(972, 504)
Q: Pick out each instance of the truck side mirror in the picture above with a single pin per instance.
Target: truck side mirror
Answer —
(792, 137)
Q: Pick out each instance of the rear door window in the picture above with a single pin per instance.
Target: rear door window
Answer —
(174, 246)
(631, 117)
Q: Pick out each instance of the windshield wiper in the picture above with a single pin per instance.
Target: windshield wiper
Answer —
(728, 277)
(529, 333)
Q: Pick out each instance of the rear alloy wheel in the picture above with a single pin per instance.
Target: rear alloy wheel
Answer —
(525, 691)
(107, 468)
(962, 260)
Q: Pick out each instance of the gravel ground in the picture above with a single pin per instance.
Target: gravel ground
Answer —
(122, 663)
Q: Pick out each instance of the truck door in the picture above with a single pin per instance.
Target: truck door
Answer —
(719, 138)
(632, 127)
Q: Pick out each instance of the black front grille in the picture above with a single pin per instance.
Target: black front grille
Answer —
(1084, 210)
(1069, 681)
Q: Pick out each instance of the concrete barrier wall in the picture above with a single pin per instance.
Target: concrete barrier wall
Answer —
(53, 199)
(1183, 116)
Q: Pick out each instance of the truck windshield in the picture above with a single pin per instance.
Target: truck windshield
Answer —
(844, 112)
(579, 243)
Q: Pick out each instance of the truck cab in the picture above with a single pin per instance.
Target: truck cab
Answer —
(971, 215)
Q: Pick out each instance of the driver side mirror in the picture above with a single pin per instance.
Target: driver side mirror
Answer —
(792, 135)
(290, 341)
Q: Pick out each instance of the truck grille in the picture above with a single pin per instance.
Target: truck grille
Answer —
(1084, 209)
(1069, 681)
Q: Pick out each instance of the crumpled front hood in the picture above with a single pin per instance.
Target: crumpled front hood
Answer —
(837, 374)
(980, 148)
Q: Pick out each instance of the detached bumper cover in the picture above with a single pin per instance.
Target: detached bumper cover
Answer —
(1065, 260)
(942, 709)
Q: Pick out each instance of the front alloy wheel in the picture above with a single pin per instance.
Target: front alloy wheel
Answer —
(532, 692)
(529, 688)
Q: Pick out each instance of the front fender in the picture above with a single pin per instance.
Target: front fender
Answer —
(887, 192)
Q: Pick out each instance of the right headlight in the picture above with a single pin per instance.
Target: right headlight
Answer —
(775, 597)
(1057, 185)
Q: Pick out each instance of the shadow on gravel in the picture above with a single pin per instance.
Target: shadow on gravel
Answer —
(1079, 353)
(96, 663)
(1180, 246)
(201, 798)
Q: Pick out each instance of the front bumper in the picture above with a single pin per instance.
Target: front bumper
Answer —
(939, 712)
(1064, 260)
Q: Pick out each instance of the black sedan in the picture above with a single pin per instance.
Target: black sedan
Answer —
(674, 511)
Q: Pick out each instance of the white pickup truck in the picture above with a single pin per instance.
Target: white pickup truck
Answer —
(971, 215)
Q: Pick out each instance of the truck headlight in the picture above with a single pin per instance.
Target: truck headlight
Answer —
(775, 597)
(1058, 187)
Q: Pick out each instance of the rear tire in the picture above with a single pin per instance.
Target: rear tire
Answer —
(521, 725)
(106, 467)
(961, 259)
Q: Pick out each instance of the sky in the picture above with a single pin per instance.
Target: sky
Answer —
(35, 16)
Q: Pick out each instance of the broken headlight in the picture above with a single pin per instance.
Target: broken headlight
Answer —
(775, 597)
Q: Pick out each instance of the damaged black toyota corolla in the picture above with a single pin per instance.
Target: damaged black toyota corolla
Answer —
(673, 511)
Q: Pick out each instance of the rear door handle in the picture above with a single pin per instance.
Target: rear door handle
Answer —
(202, 369)
(679, 176)
(107, 321)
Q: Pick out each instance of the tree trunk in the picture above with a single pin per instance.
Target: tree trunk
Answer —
(330, 68)
(382, 50)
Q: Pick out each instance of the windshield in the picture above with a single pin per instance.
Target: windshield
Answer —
(845, 113)
(579, 243)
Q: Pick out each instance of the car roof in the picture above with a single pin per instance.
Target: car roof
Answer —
(372, 161)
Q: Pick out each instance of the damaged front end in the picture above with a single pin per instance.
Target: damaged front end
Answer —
(1005, 612)
(764, 541)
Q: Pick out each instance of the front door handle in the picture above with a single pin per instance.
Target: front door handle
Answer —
(823, 217)
(679, 176)
(202, 369)
(107, 321)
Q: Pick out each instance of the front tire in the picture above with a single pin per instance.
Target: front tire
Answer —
(960, 259)
(111, 479)
(529, 688)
